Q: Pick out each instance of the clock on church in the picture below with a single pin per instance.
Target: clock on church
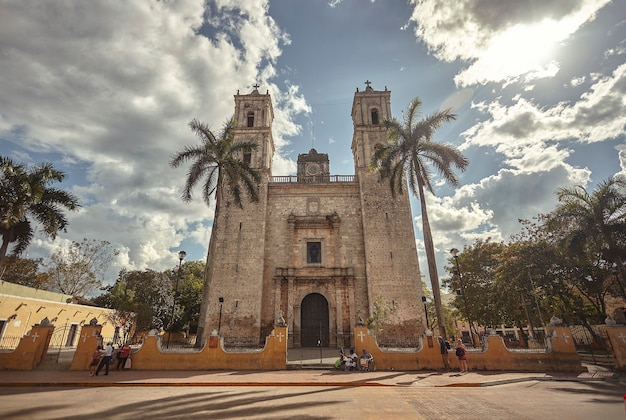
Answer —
(312, 169)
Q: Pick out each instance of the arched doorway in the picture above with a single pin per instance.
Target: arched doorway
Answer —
(314, 321)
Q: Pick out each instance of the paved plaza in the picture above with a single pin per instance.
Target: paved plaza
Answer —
(310, 394)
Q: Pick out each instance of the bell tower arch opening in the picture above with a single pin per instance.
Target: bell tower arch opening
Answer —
(314, 321)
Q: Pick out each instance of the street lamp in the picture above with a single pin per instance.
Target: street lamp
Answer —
(219, 322)
(455, 254)
(426, 312)
(181, 257)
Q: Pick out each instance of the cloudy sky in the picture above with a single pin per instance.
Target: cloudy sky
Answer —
(104, 90)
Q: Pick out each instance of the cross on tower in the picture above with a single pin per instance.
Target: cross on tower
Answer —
(85, 337)
(367, 84)
(622, 337)
(565, 337)
(35, 337)
(280, 337)
(256, 85)
(361, 335)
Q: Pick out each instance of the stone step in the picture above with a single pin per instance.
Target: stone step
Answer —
(310, 366)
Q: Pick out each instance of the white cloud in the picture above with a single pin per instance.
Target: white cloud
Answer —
(112, 88)
(502, 39)
(599, 115)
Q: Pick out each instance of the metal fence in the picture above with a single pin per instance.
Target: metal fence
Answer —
(234, 342)
(591, 341)
(530, 345)
(390, 342)
(593, 346)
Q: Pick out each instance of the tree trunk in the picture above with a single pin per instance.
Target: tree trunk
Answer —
(3, 248)
(202, 331)
(430, 258)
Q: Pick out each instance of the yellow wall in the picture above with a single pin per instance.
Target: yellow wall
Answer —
(212, 356)
(22, 307)
(562, 356)
(30, 350)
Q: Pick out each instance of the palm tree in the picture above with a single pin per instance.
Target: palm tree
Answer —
(408, 154)
(26, 195)
(595, 223)
(217, 161)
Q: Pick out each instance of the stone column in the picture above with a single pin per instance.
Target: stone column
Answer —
(617, 337)
(88, 342)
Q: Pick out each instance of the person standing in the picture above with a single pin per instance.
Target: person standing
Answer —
(123, 356)
(95, 359)
(444, 346)
(461, 354)
(107, 355)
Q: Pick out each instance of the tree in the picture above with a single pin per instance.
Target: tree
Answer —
(408, 155)
(24, 271)
(26, 196)
(189, 298)
(478, 264)
(431, 313)
(594, 223)
(120, 298)
(75, 270)
(217, 161)
(145, 296)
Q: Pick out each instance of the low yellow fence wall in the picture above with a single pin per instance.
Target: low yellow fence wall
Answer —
(561, 356)
(30, 350)
(496, 357)
(212, 357)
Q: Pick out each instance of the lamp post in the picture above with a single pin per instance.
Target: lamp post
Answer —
(426, 312)
(219, 321)
(181, 257)
(455, 254)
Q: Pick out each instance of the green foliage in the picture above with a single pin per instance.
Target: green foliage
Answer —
(189, 298)
(27, 196)
(380, 313)
(433, 319)
(146, 298)
(216, 163)
(565, 263)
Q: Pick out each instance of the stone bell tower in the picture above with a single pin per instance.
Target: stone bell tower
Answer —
(318, 252)
(393, 275)
(234, 282)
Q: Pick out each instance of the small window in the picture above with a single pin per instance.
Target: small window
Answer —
(374, 116)
(250, 119)
(247, 158)
(314, 252)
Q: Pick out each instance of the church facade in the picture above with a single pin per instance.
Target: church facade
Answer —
(319, 252)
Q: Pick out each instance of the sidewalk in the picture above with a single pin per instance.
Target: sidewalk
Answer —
(303, 377)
